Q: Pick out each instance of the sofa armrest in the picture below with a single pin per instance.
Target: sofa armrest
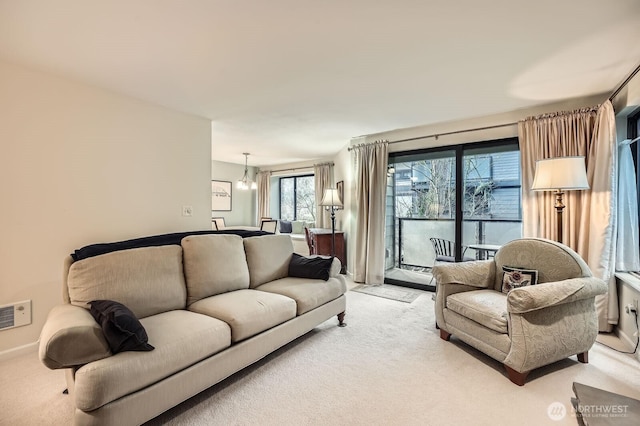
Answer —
(71, 337)
(540, 296)
(478, 274)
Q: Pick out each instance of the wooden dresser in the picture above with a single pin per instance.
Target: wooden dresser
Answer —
(321, 240)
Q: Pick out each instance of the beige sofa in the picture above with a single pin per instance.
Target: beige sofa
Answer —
(525, 327)
(210, 306)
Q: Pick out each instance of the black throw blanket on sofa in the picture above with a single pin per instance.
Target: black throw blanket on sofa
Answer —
(155, 240)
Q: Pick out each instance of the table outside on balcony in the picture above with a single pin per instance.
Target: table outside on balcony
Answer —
(484, 251)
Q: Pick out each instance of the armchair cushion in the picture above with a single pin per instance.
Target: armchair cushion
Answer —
(486, 307)
(517, 277)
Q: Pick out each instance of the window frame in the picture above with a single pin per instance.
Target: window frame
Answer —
(295, 188)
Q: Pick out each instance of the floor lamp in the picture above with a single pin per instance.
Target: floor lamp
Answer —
(331, 200)
(560, 174)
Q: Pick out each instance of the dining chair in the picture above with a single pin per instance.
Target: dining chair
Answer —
(269, 226)
(307, 236)
(219, 221)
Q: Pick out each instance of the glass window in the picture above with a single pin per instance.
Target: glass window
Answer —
(297, 198)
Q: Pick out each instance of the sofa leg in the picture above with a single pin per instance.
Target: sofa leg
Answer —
(445, 335)
(515, 376)
(584, 357)
(341, 322)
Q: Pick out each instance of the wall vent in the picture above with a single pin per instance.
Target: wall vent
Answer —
(15, 315)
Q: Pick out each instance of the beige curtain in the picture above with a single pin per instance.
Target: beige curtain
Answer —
(264, 193)
(323, 174)
(370, 190)
(589, 216)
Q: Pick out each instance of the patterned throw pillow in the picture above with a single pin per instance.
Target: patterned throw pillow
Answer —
(517, 277)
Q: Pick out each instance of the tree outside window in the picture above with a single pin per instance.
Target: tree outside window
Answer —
(297, 198)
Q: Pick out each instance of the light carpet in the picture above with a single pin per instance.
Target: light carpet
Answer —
(387, 367)
(389, 292)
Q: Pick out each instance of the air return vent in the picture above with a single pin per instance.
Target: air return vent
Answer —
(15, 315)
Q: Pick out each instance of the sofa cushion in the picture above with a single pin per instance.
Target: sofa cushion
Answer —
(285, 227)
(147, 280)
(268, 258)
(248, 312)
(120, 326)
(181, 339)
(308, 294)
(297, 227)
(486, 307)
(315, 267)
(214, 264)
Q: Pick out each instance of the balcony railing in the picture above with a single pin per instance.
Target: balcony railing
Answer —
(412, 247)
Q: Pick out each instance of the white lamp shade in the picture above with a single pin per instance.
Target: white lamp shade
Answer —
(560, 173)
(331, 198)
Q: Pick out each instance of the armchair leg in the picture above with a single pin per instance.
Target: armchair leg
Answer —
(584, 357)
(341, 322)
(445, 335)
(516, 377)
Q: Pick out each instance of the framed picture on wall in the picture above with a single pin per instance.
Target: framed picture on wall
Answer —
(221, 195)
(340, 188)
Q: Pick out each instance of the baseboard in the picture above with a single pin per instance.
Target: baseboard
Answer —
(20, 350)
(630, 344)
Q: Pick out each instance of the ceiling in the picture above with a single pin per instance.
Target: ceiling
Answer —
(294, 80)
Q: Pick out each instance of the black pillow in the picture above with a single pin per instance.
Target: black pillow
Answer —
(120, 326)
(310, 267)
(285, 227)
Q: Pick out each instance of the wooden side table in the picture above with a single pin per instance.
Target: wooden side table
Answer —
(321, 239)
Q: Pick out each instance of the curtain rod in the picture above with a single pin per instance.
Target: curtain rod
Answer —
(624, 83)
(437, 135)
(298, 168)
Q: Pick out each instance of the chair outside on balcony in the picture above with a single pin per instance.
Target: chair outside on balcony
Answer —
(446, 251)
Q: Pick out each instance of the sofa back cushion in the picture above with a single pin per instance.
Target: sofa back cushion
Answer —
(551, 260)
(214, 264)
(268, 258)
(146, 280)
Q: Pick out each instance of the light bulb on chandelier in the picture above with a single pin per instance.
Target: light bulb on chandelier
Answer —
(245, 183)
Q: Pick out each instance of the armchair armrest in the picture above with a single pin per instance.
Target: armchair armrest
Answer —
(531, 298)
(479, 274)
(71, 337)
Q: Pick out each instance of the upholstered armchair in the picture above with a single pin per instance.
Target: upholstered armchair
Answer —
(531, 305)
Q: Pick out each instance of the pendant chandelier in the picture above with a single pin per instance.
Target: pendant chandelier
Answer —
(246, 183)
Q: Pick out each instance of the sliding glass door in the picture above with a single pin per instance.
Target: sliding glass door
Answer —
(452, 203)
(421, 204)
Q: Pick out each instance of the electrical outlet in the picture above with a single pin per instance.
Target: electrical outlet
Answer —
(630, 309)
(187, 210)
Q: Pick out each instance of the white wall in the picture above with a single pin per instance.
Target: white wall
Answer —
(243, 203)
(81, 165)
